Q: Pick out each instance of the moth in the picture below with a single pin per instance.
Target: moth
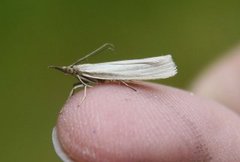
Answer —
(159, 67)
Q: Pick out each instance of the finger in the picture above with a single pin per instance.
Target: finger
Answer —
(156, 123)
(221, 81)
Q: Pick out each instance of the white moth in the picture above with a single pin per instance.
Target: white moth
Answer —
(138, 69)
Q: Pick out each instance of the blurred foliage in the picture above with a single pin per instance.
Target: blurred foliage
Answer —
(35, 34)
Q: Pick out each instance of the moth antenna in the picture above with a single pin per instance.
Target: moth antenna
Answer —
(106, 46)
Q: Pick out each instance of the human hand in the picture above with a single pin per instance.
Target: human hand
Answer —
(157, 123)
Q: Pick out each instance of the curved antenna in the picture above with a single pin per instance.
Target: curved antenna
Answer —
(98, 50)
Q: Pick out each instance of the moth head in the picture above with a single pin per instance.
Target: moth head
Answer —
(65, 69)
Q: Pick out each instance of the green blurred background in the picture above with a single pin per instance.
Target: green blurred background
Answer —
(35, 34)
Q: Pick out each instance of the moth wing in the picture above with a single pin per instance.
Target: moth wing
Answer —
(150, 60)
(138, 69)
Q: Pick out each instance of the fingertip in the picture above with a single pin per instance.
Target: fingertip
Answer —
(156, 123)
(221, 81)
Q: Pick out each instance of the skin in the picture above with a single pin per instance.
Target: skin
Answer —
(221, 81)
(155, 124)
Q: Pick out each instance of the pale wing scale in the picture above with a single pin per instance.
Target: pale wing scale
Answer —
(139, 69)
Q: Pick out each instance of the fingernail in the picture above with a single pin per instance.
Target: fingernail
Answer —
(58, 148)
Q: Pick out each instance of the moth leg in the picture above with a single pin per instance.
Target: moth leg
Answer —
(75, 86)
(85, 84)
(88, 80)
(127, 85)
(84, 94)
